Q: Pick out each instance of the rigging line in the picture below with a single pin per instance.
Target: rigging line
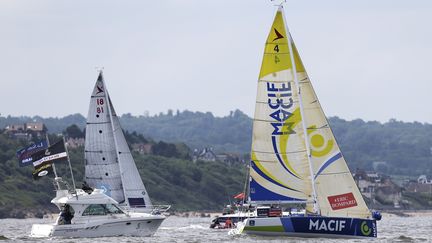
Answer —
(273, 81)
(268, 121)
(317, 128)
(101, 178)
(283, 103)
(272, 152)
(274, 54)
(100, 164)
(99, 151)
(280, 4)
(93, 123)
(335, 173)
(269, 161)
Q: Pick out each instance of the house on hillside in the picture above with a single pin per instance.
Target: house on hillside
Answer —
(228, 158)
(15, 128)
(367, 182)
(377, 187)
(142, 148)
(422, 185)
(389, 191)
(205, 154)
(26, 130)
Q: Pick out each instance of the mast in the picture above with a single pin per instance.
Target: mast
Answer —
(113, 130)
(308, 149)
(245, 187)
(70, 167)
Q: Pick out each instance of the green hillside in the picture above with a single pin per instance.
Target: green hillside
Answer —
(182, 183)
(393, 147)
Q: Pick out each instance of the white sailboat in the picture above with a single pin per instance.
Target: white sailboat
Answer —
(109, 164)
(119, 204)
(295, 158)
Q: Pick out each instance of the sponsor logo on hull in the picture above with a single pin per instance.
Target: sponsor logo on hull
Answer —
(330, 225)
(327, 225)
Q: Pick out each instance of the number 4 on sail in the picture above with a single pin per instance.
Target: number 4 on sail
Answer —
(295, 159)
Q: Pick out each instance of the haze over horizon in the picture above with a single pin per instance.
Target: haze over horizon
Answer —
(366, 60)
(147, 114)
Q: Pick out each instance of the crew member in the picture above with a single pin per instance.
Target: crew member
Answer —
(228, 223)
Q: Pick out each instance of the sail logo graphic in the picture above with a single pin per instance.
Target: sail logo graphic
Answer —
(320, 146)
(342, 201)
(99, 89)
(279, 101)
(365, 229)
(278, 35)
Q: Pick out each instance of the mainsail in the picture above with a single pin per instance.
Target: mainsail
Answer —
(109, 164)
(295, 157)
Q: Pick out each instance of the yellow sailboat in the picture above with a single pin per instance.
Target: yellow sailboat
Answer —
(295, 157)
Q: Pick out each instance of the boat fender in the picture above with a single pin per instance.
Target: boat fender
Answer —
(376, 215)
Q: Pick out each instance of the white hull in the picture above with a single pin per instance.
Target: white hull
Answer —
(125, 226)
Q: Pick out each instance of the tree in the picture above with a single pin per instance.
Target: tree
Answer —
(165, 149)
(74, 131)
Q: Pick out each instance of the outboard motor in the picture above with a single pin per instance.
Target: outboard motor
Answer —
(376, 215)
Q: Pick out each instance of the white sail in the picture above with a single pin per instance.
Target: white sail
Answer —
(285, 164)
(109, 164)
(337, 193)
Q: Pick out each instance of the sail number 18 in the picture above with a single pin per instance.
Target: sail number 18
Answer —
(99, 109)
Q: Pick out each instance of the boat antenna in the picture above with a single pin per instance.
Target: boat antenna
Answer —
(70, 167)
(278, 3)
(99, 69)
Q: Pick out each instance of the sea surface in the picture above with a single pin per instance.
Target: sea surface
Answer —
(180, 229)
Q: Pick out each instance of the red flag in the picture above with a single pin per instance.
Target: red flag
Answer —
(240, 196)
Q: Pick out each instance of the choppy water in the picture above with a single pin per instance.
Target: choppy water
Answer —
(177, 229)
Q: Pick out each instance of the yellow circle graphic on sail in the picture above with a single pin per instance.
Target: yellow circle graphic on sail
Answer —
(317, 140)
(320, 147)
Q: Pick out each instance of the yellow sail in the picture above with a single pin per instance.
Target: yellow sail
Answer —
(279, 165)
(280, 168)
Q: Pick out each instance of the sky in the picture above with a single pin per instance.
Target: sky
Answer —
(367, 59)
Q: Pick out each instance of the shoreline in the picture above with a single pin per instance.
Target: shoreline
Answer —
(407, 213)
(212, 214)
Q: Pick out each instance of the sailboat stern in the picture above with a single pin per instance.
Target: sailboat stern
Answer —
(312, 226)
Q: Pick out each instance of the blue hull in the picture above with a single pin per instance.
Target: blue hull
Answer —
(312, 226)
